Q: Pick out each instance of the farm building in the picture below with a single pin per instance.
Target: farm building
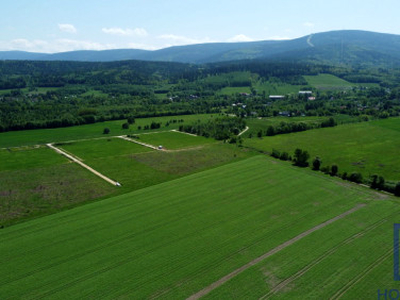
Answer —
(305, 92)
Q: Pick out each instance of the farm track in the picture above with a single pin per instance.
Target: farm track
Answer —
(273, 251)
(124, 137)
(247, 128)
(331, 251)
(175, 130)
(76, 160)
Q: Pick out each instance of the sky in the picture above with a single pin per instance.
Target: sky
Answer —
(51, 26)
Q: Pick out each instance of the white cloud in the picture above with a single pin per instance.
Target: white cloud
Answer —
(279, 38)
(240, 38)
(308, 24)
(141, 46)
(177, 40)
(57, 45)
(69, 28)
(125, 32)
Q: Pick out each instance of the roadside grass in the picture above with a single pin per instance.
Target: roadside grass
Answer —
(196, 229)
(42, 136)
(174, 140)
(367, 147)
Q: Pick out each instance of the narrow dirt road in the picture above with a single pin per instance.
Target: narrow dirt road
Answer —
(137, 142)
(224, 279)
(175, 130)
(70, 157)
(247, 128)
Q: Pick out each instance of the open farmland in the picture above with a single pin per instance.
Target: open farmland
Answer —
(328, 82)
(196, 229)
(43, 136)
(367, 147)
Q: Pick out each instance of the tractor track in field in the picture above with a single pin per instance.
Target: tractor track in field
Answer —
(308, 267)
(339, 294)
(273, 251)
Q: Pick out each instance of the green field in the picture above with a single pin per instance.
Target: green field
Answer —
(174, 140)
(42, 136)
(173, 239)
(367, 147)
(328, 82)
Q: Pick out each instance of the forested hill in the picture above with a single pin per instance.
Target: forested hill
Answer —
(345, 47)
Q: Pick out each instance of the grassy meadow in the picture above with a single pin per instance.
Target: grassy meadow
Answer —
(367, 147)
(42, 136)
(328, 82)
(197, 229)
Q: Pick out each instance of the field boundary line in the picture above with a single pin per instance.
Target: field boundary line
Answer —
(74, 159)
(273, 251)
(175, 130)
(137, 142)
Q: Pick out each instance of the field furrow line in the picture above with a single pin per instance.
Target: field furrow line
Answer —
(358, 278)
(226, 278)
(303, 271)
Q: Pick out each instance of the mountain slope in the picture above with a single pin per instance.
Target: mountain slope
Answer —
(352, 47)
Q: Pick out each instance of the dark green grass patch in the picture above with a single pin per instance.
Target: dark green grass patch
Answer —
(174, 140)
(195, 229)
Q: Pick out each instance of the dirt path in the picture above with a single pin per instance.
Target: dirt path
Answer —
(224, 279)
(72, 158)
(137, 142)
(175, 130)
(247, 128)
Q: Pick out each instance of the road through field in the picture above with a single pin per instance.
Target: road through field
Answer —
(224, 279)
(72, 158)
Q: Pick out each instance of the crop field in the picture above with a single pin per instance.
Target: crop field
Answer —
(328, 82)
(199, 228)
(174, 140)
(367, 147)
(42, 136)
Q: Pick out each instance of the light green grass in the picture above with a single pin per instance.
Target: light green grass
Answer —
(328, 82)
(234, 90)
(367, 147)
(174, 140)
(172, 239)
(272, 88)
(42, 136)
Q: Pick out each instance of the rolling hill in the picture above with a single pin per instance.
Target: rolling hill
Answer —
(351, 47)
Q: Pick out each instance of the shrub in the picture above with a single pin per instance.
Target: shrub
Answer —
(301, 158)
(275, 153)
(125, 125)
(106, 130)
(284, 156)
(355, 177)
(334, 170)
(397, 190)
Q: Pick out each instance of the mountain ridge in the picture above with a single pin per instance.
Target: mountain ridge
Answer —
(334, 47)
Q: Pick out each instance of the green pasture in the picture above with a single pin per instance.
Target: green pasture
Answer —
(274, 88)
(328, 82)
(234, 90)
(367, 147)
(42, 136)
(195, 229)
(174, 140)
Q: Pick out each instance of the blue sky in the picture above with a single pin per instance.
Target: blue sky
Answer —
(66, 25)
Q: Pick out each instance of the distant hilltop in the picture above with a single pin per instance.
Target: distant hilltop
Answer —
(334, 47)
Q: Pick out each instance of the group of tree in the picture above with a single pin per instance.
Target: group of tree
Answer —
(219, 128)
(301, 157)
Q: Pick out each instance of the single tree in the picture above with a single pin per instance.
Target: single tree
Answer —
(106, 130)
(316, 163)
(301, 158)
(125, 125)
(397, 190)
(131, 120)
(334, 170)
